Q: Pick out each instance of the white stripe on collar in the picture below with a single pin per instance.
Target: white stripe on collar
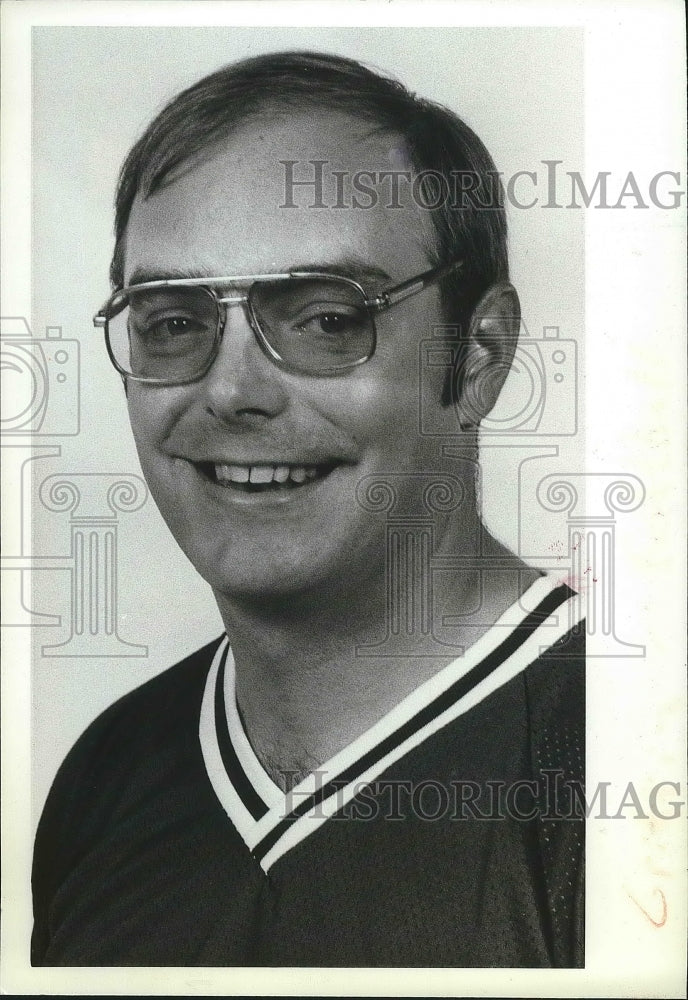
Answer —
(264, 815)
(269, 792)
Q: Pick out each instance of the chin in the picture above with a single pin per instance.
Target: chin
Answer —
(247, 576)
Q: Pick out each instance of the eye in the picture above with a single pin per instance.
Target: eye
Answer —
(174, 334)
(169, 327)
(333, 322)
(177, 325)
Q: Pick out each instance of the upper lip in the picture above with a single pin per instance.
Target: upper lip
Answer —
(301, 460)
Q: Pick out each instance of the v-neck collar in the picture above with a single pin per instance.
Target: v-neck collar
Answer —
(271, 821)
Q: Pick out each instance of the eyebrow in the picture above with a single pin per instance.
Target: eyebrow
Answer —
(347, 267)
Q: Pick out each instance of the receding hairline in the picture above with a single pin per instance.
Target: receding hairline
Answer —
(271, 115)
(382, 141)
(434, 139)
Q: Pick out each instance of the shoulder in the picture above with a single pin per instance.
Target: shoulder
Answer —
(554, 691)
(555, 694)
(123, 766)
(555, 681)
(168, 689)
(152, 728)
(155, 706)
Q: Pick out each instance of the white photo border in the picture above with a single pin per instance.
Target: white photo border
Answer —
(635, 339)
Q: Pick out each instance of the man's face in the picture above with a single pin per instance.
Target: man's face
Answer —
(223, 216)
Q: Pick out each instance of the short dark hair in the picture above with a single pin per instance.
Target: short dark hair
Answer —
(437, 141)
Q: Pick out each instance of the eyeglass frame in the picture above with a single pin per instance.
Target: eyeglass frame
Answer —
(380, 303)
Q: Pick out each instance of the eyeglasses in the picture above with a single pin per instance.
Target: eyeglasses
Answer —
(168, 332)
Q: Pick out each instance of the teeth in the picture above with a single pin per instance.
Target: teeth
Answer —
(261, 473)
(265, 474)
(232, 473)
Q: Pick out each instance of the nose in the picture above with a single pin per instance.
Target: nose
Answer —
(242, 386)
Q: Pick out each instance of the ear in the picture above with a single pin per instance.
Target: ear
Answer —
(490, 346)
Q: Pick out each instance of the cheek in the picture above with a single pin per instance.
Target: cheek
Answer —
(151, 415)
(385, 398)
(153, 410)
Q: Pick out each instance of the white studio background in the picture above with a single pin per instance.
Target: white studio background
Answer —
(94, 91)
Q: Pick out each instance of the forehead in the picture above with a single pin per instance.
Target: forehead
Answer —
(240, 207)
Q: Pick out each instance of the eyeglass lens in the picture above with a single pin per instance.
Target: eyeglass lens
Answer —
(312, 324)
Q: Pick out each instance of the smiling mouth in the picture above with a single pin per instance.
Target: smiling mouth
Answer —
(263, 478)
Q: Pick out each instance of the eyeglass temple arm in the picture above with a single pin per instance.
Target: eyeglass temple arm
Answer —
(390, 297)
(100, 319)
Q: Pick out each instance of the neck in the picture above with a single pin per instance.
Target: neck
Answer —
(305, 687)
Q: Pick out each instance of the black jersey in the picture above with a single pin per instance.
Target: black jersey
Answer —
(446, 835)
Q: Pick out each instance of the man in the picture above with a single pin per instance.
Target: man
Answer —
(327, 784)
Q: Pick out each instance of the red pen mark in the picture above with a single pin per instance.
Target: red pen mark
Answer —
(557, 548)
(662, 919)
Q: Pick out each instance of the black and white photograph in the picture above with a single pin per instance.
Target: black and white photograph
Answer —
(341, 480)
